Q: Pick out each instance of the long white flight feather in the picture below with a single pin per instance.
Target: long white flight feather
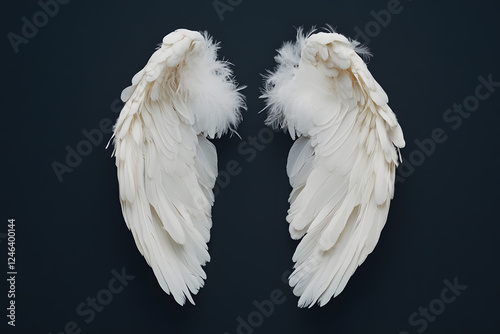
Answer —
(341, 167)
(166, 166)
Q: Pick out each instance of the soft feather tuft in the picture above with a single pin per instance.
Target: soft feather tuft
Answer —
(283, 97)
(213, 94)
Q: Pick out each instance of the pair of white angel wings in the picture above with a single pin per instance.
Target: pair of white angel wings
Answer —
(342, 165)
(166, 166)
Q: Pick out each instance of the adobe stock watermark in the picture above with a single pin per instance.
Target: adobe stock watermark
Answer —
(266, 308)
(88, 309)
(248, 149)
(381, 19)
(30, 26)
(223, 6)
(263, 309)
(91, 138)
(453, 118)
(420, 319)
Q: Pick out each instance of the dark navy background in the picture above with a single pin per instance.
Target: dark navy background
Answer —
(71, 235)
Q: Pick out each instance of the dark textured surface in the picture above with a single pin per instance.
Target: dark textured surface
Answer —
(71, 234)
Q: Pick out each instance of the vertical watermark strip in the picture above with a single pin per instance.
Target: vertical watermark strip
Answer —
(11, 272)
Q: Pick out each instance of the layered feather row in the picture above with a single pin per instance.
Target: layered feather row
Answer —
(341, 167)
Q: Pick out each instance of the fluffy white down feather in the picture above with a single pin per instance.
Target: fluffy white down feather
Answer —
(341, 167)
(166, 166)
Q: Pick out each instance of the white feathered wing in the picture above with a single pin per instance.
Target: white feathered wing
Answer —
(166, 166)
(341, 167)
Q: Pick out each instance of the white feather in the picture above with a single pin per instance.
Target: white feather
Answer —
(166, 167)
(342, 166)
